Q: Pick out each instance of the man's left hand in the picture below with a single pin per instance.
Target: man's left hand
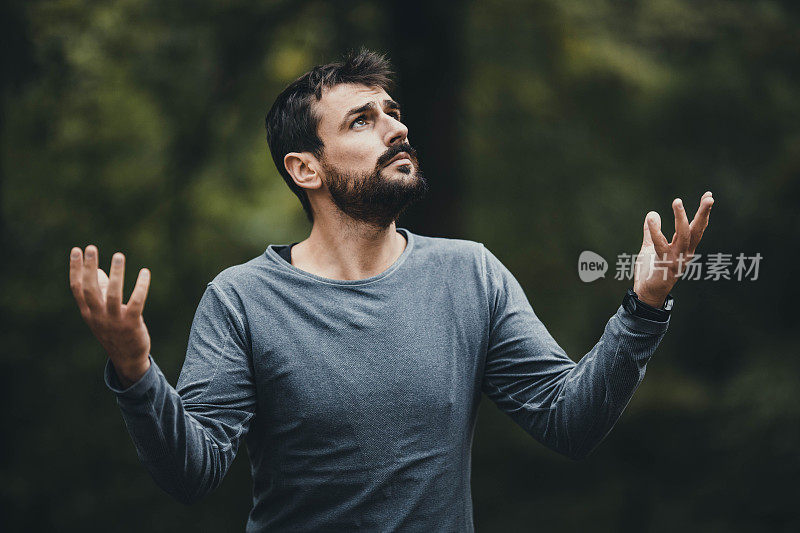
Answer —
(660, 264)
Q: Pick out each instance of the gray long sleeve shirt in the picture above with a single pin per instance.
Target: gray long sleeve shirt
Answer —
(357, 399)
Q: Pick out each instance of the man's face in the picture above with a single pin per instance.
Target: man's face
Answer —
(370, 169)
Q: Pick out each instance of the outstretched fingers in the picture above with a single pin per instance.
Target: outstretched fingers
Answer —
(682, 235)
(700, 221)
(660, 243)
(115, 282)
(139, 295)
(89, 285)
(76, 278)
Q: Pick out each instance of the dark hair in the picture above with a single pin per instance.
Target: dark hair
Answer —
(291, 121)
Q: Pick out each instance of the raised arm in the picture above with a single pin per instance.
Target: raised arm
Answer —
(570, 407)
(186, 437)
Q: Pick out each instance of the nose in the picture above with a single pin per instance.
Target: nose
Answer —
(396, 133)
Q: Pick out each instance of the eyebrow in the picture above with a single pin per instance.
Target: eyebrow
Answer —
(369, 106)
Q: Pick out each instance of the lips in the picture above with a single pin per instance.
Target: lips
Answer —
(401, 155)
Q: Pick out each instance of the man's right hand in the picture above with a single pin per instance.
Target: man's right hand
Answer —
(119, 327)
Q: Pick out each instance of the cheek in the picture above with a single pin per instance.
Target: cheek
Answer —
(358, 155)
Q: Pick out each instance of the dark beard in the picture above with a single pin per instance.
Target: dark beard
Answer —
(373, 198)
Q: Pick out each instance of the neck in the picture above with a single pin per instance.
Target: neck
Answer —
(345, 249)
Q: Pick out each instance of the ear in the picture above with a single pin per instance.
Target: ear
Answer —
(303, 168)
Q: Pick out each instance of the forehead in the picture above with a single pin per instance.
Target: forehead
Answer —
(339, 99)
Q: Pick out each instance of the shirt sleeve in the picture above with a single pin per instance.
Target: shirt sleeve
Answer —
(569, 407)
(187, 437)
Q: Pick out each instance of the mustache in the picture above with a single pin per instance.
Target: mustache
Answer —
(396, 149)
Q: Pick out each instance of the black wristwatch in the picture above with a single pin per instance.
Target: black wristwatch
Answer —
(635, 306)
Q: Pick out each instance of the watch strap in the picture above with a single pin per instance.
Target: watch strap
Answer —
(635, 306)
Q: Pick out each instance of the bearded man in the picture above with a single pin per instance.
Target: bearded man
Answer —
(352, 363)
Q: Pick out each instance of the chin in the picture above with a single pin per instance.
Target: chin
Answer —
(406, 170)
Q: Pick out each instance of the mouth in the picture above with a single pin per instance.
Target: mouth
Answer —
(402, 159)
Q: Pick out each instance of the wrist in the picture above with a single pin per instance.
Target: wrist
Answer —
(633, 303)
(654, 301)
(130, 374)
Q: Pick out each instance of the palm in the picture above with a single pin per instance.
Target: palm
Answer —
(659, 263)
(119, 327)
(138, 336)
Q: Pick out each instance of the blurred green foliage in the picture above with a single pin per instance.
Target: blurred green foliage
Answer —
(545, 128)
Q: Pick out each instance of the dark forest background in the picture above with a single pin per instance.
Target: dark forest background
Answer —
(545, 128)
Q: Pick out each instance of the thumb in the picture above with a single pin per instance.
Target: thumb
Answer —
(648, 238)
(102, 280)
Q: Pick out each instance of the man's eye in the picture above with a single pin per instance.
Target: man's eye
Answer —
(363, 118)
